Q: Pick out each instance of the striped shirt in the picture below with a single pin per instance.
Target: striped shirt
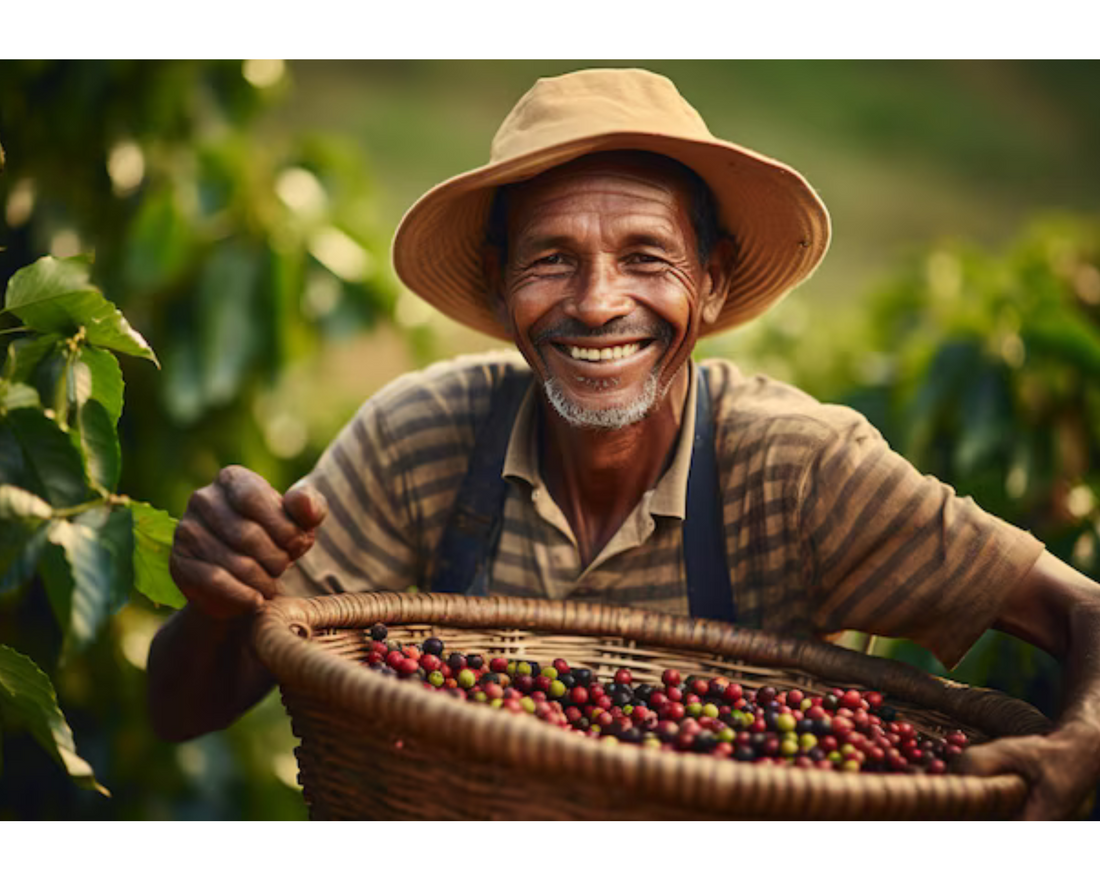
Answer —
(826, 528)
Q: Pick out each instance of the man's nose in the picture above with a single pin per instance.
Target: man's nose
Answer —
(600, 296)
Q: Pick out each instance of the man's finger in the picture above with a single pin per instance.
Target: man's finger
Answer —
(212, 590)
(195, 541)
(306, 505)
(244, 536)
(253, 498)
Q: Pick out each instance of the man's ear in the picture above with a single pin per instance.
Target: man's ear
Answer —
(492, 270)
(716, 283)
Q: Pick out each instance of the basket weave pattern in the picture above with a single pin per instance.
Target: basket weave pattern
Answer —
(374, 747)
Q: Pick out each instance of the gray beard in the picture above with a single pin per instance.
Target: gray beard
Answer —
(609, 419)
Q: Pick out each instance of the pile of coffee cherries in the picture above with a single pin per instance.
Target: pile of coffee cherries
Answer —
(845, 730)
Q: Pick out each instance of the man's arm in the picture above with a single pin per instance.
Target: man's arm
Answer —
(202, 674)
(1057, 609)
(236, 538)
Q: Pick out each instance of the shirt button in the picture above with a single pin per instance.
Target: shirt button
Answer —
(535, 495)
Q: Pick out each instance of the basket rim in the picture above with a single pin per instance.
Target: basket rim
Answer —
(281, 641)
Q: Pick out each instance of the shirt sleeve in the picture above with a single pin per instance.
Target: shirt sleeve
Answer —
(899, 554)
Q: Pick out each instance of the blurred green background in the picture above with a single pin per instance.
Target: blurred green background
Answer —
(240, 214)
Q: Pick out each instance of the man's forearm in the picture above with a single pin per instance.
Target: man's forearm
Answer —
(1081, 664)
(202, 675)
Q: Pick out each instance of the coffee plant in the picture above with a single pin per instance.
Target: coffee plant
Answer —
(63, 529)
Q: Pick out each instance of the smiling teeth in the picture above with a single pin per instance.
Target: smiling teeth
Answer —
(603, 354)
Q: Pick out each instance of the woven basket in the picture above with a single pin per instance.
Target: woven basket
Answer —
(373, 747)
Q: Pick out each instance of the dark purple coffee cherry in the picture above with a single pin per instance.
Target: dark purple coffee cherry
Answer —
(433, 646)
(378, 632)
(704, 742)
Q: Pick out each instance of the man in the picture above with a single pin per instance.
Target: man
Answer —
(609, 231)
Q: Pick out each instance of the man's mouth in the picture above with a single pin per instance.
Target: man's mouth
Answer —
(601, 353)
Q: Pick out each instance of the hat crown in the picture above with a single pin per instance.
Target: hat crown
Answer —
(586, 103)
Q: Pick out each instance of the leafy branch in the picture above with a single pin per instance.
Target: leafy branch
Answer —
(64, 529)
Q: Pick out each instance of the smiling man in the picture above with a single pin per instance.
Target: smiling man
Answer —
(608, 233)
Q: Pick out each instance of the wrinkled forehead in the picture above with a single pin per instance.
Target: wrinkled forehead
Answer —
(643, 176)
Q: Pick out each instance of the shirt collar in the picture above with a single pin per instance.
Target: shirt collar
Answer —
(669, 496)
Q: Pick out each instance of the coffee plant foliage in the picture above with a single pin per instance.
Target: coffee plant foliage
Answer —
(239, 251)
(981, 367)
(65, 531)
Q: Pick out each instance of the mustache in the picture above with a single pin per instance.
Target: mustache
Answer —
(617, 327)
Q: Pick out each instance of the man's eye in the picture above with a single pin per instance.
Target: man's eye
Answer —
(550, 260)
(644, 258)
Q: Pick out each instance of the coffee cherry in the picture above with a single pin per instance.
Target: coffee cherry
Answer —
(457, 661)
(765, 695)
(465, 679)
(433, 646)
(670, 678)
(379, 633)
(430, 662)
(524, 683)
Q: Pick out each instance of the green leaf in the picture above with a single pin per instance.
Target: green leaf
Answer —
(114, 528)
(21, 545)
(37, 455)
(78, 571)
(181, 392)
(99, 377)
(14, 395)
(227, 329)
(55, 296)
(99, 442)
(25, 354)
(1065, 338)
(17, 503)
(159, 243)
(27, 697)
(153, 531)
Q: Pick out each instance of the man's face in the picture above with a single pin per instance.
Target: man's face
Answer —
(603, 286)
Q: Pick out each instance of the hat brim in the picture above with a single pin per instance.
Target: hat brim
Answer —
(781, 227)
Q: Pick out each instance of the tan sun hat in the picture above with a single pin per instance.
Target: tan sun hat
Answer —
(780, 225)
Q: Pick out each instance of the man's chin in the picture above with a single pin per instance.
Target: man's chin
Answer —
(609, 418)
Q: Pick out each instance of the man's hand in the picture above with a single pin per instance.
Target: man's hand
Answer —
(237, 536)
(1061, 769)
